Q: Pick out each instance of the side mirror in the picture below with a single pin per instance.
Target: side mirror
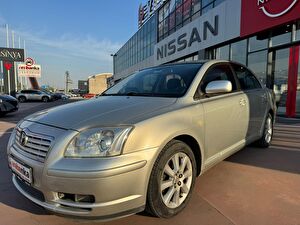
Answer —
(218, 87)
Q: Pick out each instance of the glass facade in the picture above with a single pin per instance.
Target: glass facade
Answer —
(176, 13)
(257, 62)
(282, 35)
(256, 44)
(298, 31)
(138, 48)
(223, 52)
(238, 52)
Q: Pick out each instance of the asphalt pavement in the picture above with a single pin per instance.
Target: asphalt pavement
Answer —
(252, 187)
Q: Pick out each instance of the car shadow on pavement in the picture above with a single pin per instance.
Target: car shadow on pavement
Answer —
(282, 155)
(9, 196)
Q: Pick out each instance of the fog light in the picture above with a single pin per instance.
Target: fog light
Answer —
(85, 198)
(61, 195)
(76, 198)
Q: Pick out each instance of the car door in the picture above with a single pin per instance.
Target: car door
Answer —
(256, 96)
(36, 95)
(225, 115)
(28, 94)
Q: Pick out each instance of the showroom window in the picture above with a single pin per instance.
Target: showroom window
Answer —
(256, 44)
(257, 62)
(298, 31)
(282, 35)
(222, 52)
(239, 52)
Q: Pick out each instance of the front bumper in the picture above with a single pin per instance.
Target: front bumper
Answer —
(119, 190)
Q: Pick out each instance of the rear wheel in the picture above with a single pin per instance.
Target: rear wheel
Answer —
(22, 99)
(172, 180)
(45, 99)
(266, 139)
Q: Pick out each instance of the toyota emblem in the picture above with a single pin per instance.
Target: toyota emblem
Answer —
(23, 139)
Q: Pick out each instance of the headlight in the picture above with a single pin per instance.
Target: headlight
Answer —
(98, 142)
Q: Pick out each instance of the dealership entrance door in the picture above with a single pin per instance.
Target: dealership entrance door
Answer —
(285, 80)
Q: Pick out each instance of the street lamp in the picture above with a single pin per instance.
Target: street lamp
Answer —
(114, 68)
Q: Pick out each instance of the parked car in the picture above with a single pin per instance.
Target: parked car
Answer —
(8, 104)
(33, 95)
(283, 99)
(88, 96)
(143, 142)
(58, 95)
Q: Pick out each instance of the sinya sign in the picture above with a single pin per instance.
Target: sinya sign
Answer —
(12, 54)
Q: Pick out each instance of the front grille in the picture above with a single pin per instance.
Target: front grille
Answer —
(36, 146)
(31, 191)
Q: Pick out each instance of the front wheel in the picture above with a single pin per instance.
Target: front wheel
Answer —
(267, 136)
(22, 99)
(172, 180)
(45, 99)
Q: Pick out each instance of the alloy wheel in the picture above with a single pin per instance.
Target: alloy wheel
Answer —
(176, 180)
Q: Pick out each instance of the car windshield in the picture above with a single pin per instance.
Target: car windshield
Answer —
(163, 81)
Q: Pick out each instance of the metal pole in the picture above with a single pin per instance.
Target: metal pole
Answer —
(8, 72)
(25, 55)
(2, 79)
(21, 78)
(15, 70)
(7, 36)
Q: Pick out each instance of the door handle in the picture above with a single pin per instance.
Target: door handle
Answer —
(242, 102)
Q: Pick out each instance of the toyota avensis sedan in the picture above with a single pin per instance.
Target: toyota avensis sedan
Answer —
(142, 143)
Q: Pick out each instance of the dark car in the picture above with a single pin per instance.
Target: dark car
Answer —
(8, 104)
(59, 95)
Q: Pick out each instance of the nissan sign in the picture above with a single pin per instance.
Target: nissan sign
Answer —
(217, 26)
(259, 15)
(12, 54)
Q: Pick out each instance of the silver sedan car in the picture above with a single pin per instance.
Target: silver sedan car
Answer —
(142, 143)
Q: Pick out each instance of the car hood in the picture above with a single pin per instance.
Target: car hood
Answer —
(103, 111)
(7, 98)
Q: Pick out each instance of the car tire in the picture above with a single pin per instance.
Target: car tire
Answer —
(170, 186)
(22, 99)
(45, 99)
(265, 140)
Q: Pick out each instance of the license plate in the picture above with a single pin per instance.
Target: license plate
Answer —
(22, 171)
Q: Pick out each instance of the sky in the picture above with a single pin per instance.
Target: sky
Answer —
(69, 35)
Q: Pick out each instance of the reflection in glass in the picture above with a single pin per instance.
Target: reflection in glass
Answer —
(256, 44)
(298, 88)
(239, 51)
(223, 52)
(298, 31)
(257, 62)
(284, 37)
(281, 79)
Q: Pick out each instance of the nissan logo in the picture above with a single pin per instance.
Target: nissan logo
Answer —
(23, 138)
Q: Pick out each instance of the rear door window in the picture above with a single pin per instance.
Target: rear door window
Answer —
(246, 79)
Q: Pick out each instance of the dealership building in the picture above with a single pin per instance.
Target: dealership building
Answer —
(262, 34)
